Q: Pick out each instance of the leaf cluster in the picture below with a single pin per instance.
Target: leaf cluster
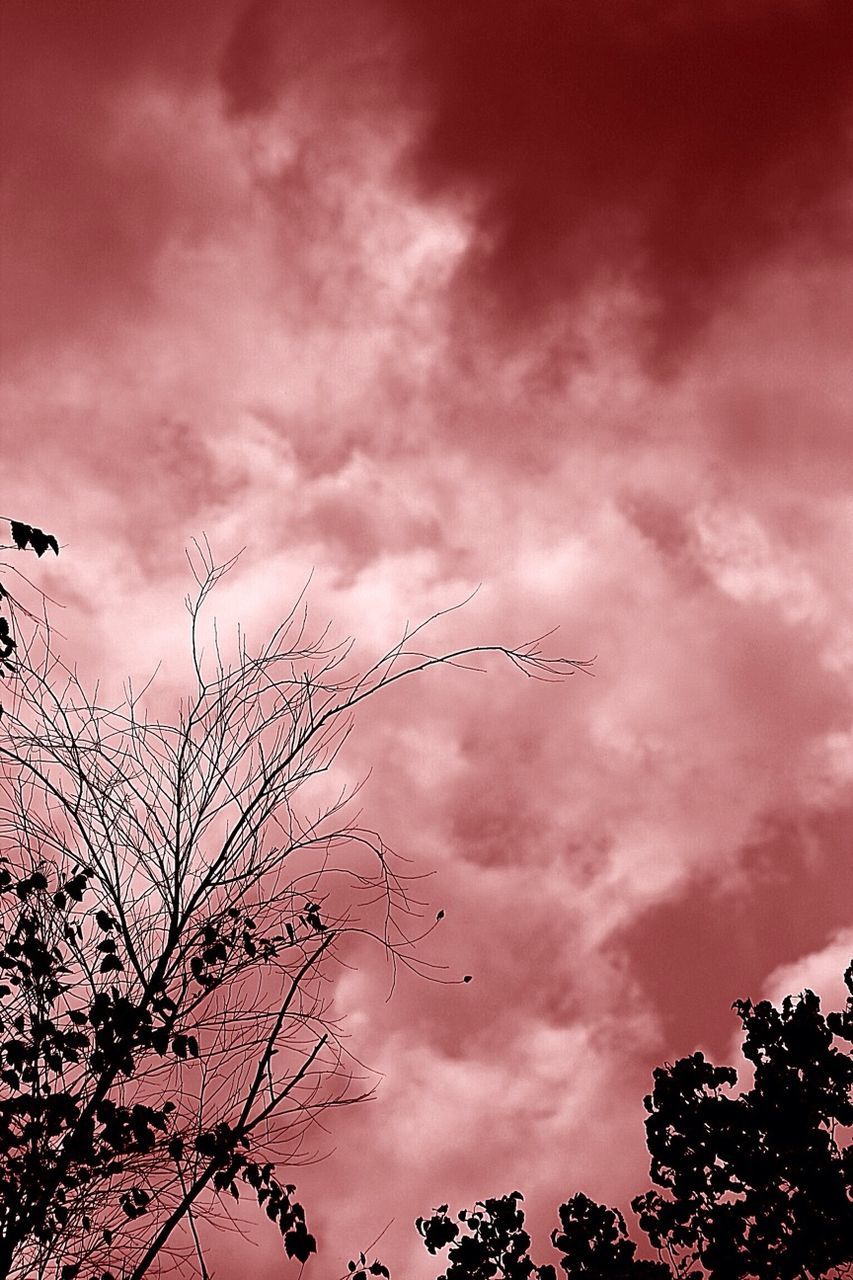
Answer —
(492, 1241)
(70, 1152)
(27, 535)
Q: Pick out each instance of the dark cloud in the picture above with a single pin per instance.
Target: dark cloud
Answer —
(728, 938)
(343, 46)
(98, 42)
(669, 144)
(252, 63)
(88, 195)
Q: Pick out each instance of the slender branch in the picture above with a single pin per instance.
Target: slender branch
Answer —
(193, 1230)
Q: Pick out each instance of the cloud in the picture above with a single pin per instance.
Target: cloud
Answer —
(822, 971)
(671, 147)
(373, 291)
(460, 1121)
(94, 128)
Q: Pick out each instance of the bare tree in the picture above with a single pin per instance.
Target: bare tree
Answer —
(175, 907)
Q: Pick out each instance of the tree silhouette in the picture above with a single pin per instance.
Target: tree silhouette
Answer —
(754, 1185)
(175, 902)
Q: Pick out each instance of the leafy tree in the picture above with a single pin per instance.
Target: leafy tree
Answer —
(495, 1242)
(173, 910)
(760, 1184)
(757, 1185)
(492, 1242)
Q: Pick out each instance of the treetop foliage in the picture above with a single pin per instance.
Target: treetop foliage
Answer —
(750, 1186)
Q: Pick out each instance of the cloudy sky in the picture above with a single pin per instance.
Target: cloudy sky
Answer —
(551, 296)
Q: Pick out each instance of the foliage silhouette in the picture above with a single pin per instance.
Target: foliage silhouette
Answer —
(23, 536)
(27, 535)
(758, 1185)
(171, 924)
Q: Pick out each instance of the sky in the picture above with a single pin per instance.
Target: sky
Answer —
(546, 297)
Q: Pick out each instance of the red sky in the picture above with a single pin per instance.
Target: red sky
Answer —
(548, 295)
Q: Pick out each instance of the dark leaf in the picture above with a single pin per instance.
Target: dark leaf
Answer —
(299, 1243)
(26, 534)
(21, 533)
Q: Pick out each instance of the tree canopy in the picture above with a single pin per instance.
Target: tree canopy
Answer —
(756, 1185)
